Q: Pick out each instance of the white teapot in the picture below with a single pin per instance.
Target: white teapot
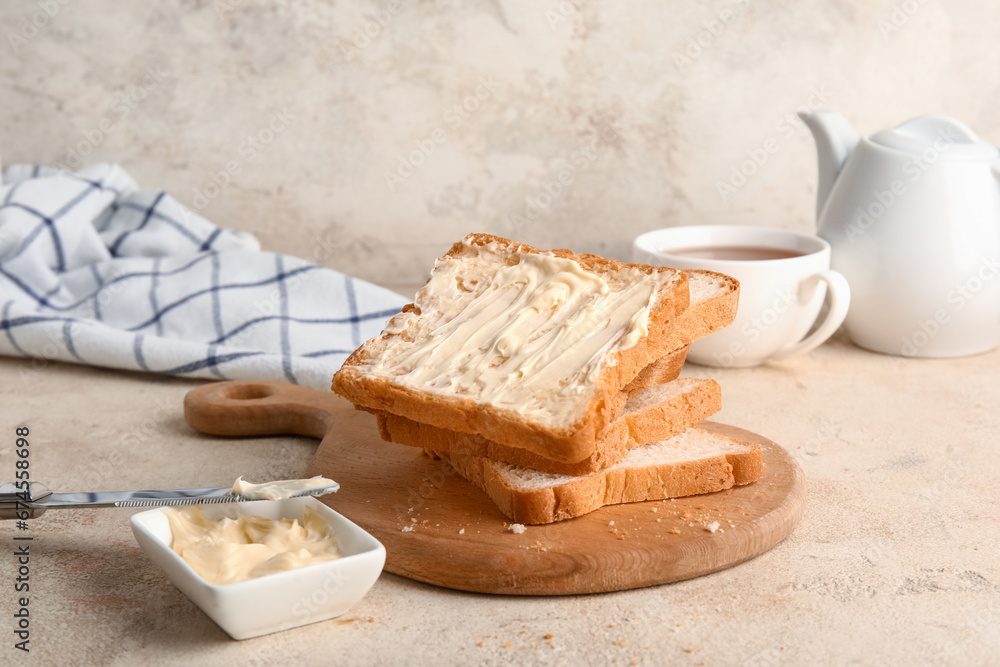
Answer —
(913, 218)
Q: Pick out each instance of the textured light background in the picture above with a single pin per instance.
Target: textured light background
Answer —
(559, 75)
(895, 560)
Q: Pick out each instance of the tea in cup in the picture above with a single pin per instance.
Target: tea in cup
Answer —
(784, 279)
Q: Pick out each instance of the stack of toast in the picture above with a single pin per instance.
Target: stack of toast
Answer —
(550, 379)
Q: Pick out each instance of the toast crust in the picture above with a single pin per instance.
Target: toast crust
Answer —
(614, 443)
(701, 318)
(582, 495)
(657, 422)
(568, 444)
(661, 420)
(665, 369)
(704, 317)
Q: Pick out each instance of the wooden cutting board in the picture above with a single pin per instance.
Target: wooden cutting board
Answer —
(456, 536)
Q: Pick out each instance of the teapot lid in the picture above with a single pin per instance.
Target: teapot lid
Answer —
(943, 133)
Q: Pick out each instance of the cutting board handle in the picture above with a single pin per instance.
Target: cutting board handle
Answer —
(259, 408)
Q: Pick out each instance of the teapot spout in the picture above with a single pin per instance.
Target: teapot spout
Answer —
(835, 140)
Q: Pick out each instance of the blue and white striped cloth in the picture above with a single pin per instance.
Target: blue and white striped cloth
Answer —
(94, 271)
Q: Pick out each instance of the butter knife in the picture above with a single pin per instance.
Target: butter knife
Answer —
(18, 503)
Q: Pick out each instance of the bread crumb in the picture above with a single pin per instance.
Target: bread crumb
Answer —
(480, 644)
(611, 523)
(701, 507)
(674, 531)
(516, 528)
(686, 515)
(462, 532)
(656, 509)
(413, 520)
(659, 520)
(549, 636)
(689, 650)
(406, 529)
(371, 619)
(712, 527)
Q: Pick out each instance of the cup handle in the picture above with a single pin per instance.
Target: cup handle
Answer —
(840, 299)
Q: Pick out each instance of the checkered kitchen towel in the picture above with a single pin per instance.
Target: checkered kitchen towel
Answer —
(94, 271)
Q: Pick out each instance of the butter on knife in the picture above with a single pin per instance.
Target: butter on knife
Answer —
(279, 490)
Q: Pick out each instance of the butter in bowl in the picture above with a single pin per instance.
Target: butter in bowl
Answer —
(333, 561)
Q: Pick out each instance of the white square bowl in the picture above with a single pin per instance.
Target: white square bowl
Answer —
(277, 601)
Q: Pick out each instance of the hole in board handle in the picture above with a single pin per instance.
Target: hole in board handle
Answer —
(249, 392)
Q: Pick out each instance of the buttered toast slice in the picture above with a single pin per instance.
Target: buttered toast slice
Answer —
(689, 463)
(524, 347)
(652, 415)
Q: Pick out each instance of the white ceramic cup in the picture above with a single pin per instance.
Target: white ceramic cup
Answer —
(780, 299)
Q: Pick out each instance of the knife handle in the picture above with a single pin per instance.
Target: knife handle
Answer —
(18, 503)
